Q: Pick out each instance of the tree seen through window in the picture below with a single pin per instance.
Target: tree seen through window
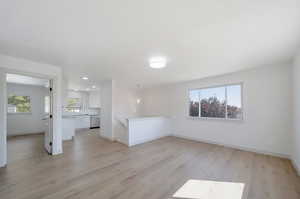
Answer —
(19, 104)
(218, 102)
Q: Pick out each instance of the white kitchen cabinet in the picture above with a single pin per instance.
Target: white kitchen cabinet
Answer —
(94, 99)
(68, 126)
(82, 122)
(86, 122)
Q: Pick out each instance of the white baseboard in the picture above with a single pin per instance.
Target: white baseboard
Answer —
(24, 134)
(147, 140)
(57, 153)
(122, 141)
(235, 147)
(2, 164)
(295, 165)
(107, 138)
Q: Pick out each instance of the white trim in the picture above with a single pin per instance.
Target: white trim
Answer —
(145, 118)
(26, 84)
(130, 144)
(107, 137)
(3, 119)
(218, 85)
(235, 147)
(226, 103)
(295, 165)
(215, 119)
(122, 142)
(22, 134)
(19, 113)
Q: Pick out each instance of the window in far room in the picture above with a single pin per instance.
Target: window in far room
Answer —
(18, 104)
(224, 102)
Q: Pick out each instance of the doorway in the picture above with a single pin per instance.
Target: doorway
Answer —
(29, 116)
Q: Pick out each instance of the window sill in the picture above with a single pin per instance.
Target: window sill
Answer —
(19, 113)
(216, 119)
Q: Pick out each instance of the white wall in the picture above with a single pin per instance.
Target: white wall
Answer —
(156, 101)
(124, 106)
(267, 106)
(3, 116)
(26, 67)
(68, 126)
(22, 124)
(106, 95)
(118, 102)
(296, 109)
(145, 129)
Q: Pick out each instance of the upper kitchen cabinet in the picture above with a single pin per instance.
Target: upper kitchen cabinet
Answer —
(94, 99)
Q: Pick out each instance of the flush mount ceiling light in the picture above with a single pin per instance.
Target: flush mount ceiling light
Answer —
(84, 78)
(158, 62)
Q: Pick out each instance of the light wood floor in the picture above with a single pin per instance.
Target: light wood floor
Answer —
(94, 168)
(25, 147)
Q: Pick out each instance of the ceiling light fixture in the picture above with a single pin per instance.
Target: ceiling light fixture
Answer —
(93, 86)
(158, 62)
(84, 78)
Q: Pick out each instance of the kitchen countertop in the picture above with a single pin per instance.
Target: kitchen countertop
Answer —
(80, 115)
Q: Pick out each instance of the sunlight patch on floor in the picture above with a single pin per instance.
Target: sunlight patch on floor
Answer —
(203, 189)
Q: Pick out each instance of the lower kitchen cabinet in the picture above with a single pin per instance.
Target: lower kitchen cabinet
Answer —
(82, 122)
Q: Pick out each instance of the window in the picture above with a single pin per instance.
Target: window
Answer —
(18, 104)
(234, 102)
(73, 105)
(213, 102)
(219, 102)
(72, 109)
(47, 104)
(194, 103)
(73, 102)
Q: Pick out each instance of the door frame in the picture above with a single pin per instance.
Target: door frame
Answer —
(48, 142)
(57, 112)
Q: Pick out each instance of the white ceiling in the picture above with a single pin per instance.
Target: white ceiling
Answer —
(21, 79)
(115, 39)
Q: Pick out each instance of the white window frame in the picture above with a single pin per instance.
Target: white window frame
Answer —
(216, 118)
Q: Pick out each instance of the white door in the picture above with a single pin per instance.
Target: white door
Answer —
(48, 120)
